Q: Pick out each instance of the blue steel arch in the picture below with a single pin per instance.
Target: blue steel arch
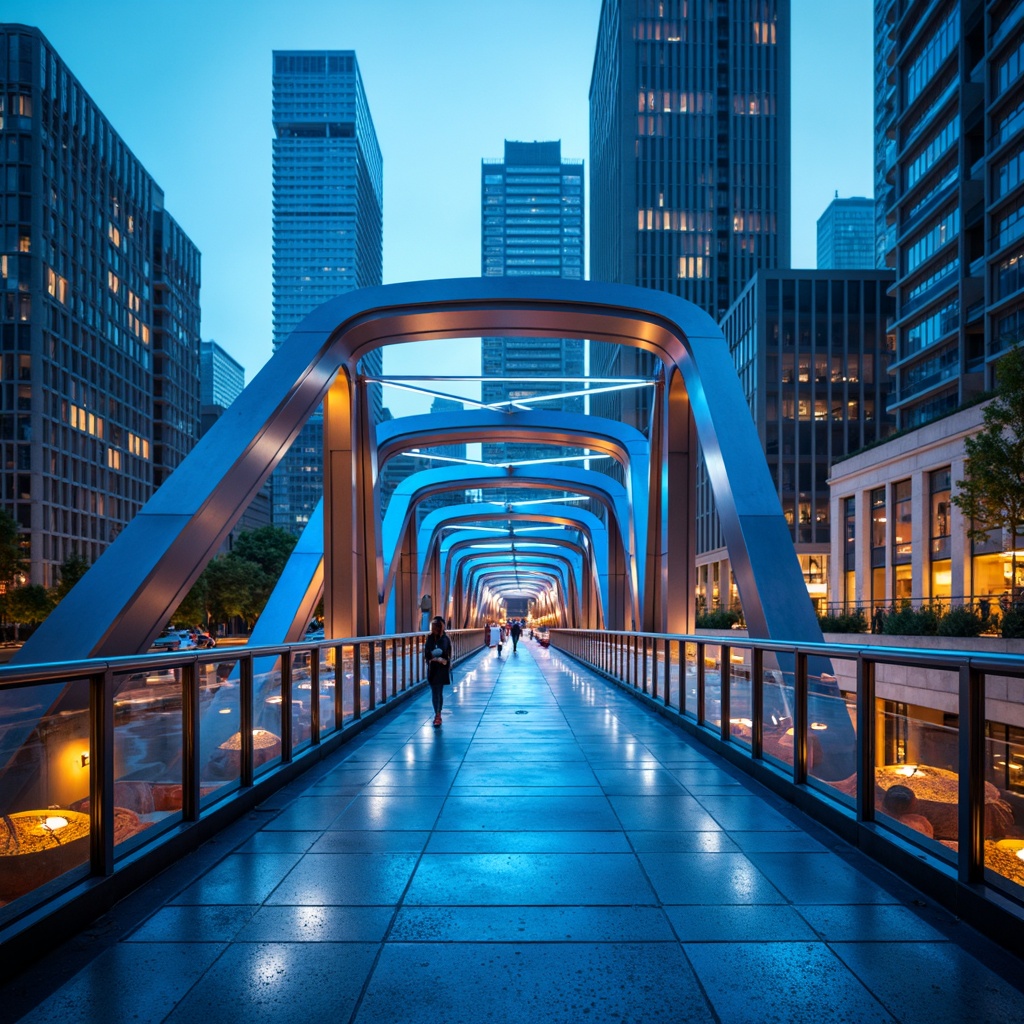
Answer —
(127, 596)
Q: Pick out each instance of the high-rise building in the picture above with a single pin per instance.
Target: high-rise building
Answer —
(690, 156)
(958, 206)
(221, 380)
(99, 316)
(531, 226)
(328, 228)
(812, 354)
(884, 130)
(846, 235)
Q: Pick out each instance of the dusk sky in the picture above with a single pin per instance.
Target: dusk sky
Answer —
(186, 83)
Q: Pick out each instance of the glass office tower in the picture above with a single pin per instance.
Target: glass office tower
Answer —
(328, 228)
(690, 156)
(531, 226)
(846, 234)
(99, 317)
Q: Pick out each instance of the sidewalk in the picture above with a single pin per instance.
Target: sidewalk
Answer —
(554, 853)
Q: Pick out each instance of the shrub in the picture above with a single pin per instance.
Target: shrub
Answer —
(720, 619)
(1013, 624)
(907, 621)
(845, 622)
(961, 621)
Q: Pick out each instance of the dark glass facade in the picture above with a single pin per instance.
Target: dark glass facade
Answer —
(532, 225)
(846, 235)
(328, 228)
(812, 354)
(99, 316)
(690, 155)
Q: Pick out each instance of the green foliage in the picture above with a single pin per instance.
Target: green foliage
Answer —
(992, 495)
(69, 572)
(238, 587)
(720, 619)
(195, 608)
(29, 605)
(844, 622)
(1013, 624)
(12, 562)
(961, 621)
(907, 621)
(268, 547)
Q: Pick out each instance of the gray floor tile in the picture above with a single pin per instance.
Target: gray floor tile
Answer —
(745, 813)
(369, 841)
(531, 924)
(286, 982)
(776, 842)
(528, 842)
(675, 812)
(682, 842)
(310, 813)
(708, 878)
(932, 983)
(782, 983)
(763, 923)
(536, 813)
(356, 879)
(317, 924)
(465, 984)
(389, 812)
(868, 922)
(241, 878)
(193, 924)
(818, 878)
(279, 842)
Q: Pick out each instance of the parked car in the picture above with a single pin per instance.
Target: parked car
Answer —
(168, 640)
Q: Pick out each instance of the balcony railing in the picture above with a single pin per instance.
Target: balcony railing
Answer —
(938, 796)
(104, 763)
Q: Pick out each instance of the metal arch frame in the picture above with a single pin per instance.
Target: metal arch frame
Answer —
(397, 534)
(573, 557)
(481, 566)
(499, 578)
(127, 596)
(428, 546)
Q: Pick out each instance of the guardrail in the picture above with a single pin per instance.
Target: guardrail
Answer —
(115, 767)
(915, 756)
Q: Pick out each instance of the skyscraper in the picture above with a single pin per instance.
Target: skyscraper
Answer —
(846, 235)
(99, 316)
(690, 163)
(531, 226)
(956, 210)
(328, 227)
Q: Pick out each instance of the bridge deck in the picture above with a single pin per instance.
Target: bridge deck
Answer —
(554, 852)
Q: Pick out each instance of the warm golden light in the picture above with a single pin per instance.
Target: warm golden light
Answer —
(818, 726)
(54, 823)
(907, 770)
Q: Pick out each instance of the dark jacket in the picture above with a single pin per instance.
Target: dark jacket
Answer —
(436, 672)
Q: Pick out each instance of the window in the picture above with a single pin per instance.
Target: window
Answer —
(878, 524)
(902, 522)
(939, 481)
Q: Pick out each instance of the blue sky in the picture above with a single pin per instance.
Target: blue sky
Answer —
(186, 83)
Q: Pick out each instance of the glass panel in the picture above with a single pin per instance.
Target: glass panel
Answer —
(713, 685)
(672, 696)
(916, 779)
(741, 722)
(220, 719)
(832, 730)
(364, 676)
(266, 713)
(327, 685)
(302, 719)
(777, 735)
(690, 680)
(147, 750)
(346, 681)
(1004, 782)
(661, 665)
(44, 796)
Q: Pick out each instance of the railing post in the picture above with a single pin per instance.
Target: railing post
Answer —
(865, 739)
(190, 746)
(757, 703)
(725, 696)
(286, 707)
(971, 804)
(800, 718)
(101, 773)
(245, 721)
(314, 695)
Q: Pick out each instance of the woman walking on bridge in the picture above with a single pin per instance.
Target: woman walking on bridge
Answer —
(437, 652)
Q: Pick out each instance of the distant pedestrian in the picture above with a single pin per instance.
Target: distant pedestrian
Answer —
(437, 653)
(494, 637)
(516, 631)
(502, 636)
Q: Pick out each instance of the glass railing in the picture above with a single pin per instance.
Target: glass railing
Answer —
(104, 759)
(926, 748)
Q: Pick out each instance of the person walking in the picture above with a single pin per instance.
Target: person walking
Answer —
(515, 631)
(494, 638)
(437, 653)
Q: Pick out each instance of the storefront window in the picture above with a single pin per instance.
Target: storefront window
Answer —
(902, 522)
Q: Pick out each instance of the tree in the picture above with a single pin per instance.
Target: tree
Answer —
(238, 587)
(29, 605)
(992, 495)
(69, 572)
(195, 606)
(12, 561)
(269, 547)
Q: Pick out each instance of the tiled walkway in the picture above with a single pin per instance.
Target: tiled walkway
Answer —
(554, 852)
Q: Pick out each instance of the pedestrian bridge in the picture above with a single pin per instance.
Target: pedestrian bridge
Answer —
(555, 849)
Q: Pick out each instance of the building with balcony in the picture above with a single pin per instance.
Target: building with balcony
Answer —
(328, 228)
(99, 316)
